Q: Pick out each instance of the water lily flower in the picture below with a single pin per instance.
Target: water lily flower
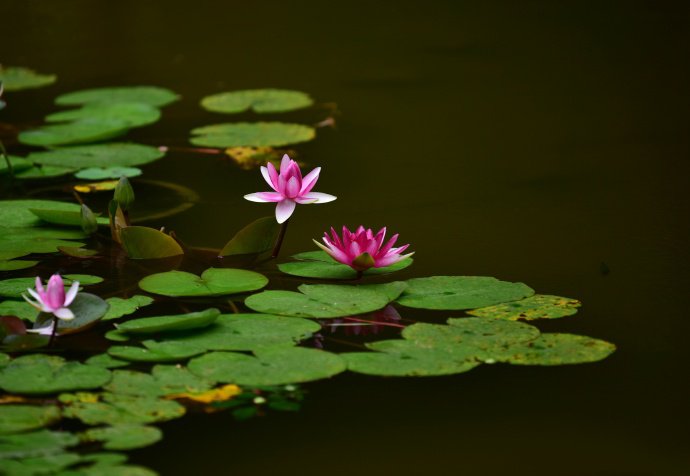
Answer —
(363, 249)
(289, 188)
(54, 300)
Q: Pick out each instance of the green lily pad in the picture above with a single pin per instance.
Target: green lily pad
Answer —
(320, 301)
(16, 78)
(554, 349)
(87, 308)
(84, 279)
(106, 173)
(179, 322)
(132, 114)
(41, 374)
(106, 361)
(35, 444)
(163, 380)
(120, 307)
(141, 242)
(21, 309)
(213, 282)
(256, 238)
(40, 465)
(151, 95)
(4, 359)
(259, 100)
(44, 172)
(461, 292)
(539, 306)
(253, 134)
(17, 265)
(271, 366)
(77, 132)
(117, 409)
(38, 245)
(318, 264)
(64, 217)
(80, 253)
(98, 155)
(18, 214)
(23, 342)
(249, 332)
(117, 336)
(15, 287)
(18, 164)
(21, 418)
(123, 437)
(156, 352)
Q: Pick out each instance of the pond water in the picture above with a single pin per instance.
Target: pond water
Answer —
(542, 142)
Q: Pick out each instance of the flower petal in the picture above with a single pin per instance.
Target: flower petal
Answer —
(267, 176)
(39, 285)
(292, 187)
(44, 331)
(319, 197)
(284, 164)
(264, 197)
(273, 175)
(72, 293)
(34, 304)
(56, 292)
(309, 180)
(284, 210)
(64, 313)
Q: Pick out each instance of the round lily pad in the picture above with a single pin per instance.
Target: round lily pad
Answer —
(16, 265)
(249, 332)
(106, 361)
(98, 155)
(132, 114)
(20, 418)
(539, 306)
(151, 95)
(17, 213)
(554, 349)
(156, 352)
(77, 132)
(115, 409)
(43, 172)
(471, 331)
(42, 374)
(180, 322)
(15, 287)
(64, 217)
(461, 292)
(271, 366)
(253, 134)
(212, 282)
(16, 78)
(105, 173)
(318, 264)
(259, 100)
(163, 380)
(123, 437)
(120, 307)
(35, 444)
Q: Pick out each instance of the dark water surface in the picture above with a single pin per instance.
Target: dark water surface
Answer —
(526, 140)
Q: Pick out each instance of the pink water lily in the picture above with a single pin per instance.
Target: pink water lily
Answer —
(363, 249)
(53, 300)
(289, 188)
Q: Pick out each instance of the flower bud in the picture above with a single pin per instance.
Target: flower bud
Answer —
(88, 220)
(124, 193)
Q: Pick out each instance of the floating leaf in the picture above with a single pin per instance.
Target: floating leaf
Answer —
(63, 217)
(104, 173)
(116, 409)
(116, 336)
(40, 465)
(471, 332)
(78, 132)
(94, 187)
(256, 238)
(122, 307)
(15, 287)
(18, 214)
(163, 380)
(35, 444)
(74, 252)
(259, 100)
(106, 361)
(84, 279)
(16, 265)
(249, 332)
(539, 306)
(98, 155)
(271, 366)
(23, 342)
(213, 282)
(20, 418)
(461, 292)
(318, 264)
(44, 172)
(41, 374)
(554, 349)
(87, 308)
(16, 78)
(151, 95)
(255, 134)
(179, 322)
(141, 242)
(220, 394)
(18, 164)
(156, 352)
(132, 114)
(123, 437)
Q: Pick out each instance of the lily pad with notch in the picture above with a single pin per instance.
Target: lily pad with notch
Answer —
(117, 154)
(163, 380)
(120, 307)
(116, 409)
(124, 436)
(253, 134)
(179, 322)
(105, 173)
(258, 100)
(151, 95)
(212, 282)
(77, 132)
(318, 264)
(132, 114)
(554, 349)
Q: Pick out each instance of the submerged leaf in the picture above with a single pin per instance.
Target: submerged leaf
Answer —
(255, 134)
(259, 100)
(141, 242)
(213, 282)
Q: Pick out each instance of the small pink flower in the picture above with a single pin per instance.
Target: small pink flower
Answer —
(289, 188)
(362, 249)
(53, 300)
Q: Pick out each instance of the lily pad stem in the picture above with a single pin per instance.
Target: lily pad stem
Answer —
(53, 332)
(3, 151)
(279, 241)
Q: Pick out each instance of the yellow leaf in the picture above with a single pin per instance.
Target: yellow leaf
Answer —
(96, 186)
(220, 394)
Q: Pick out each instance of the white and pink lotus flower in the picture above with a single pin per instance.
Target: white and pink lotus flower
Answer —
(52, 300)
(363, 249)
(289, 188)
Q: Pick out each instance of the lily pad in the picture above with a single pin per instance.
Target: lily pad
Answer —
(163, 380)
(63, 217)
(21, 309)
(21, 418)
(16, 265)
(132, 114)
(120, 307)
(116, 336)
(213, 282)
(18, 214)
(35, 444)
(257, 237)
(249, 332)
(88, 309)
(156, 352)
(271, 366)
(105, 173)
(84, 279)
(15, 287)
(98, 155)
(77, 132)
(44, 172)
(141, 242)
(18, 164)
(116, 409)
(318, 264)
(106, 361)
(254, 134)
(259, 100)
(16, 78)
(539, 306)
(40, 465)
(461, 292)
(80, 253)
(179, 322)
(42, 374)
(123, 437)
(38, 245)
(151, 95)
(554, 349)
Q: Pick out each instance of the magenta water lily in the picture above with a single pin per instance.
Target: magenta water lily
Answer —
(363, 249)
(53, 299)
(289, 188)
